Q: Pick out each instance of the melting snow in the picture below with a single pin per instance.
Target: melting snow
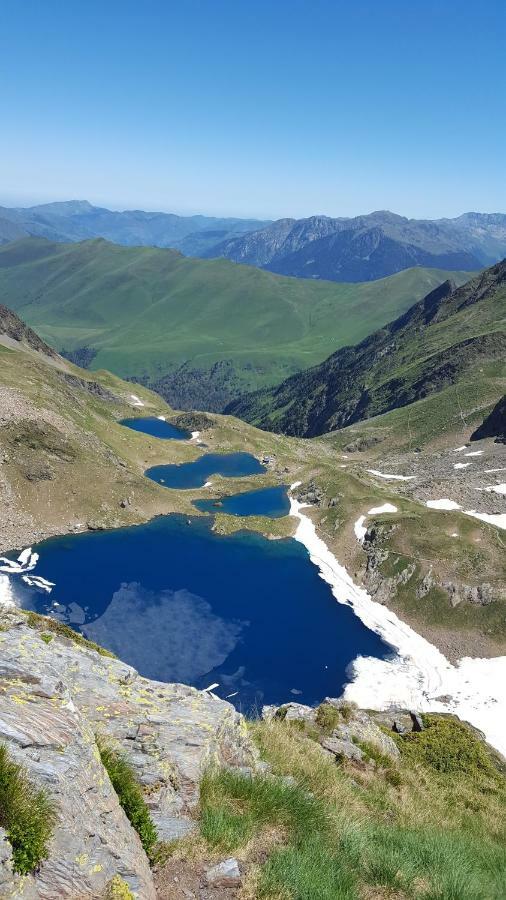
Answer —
(417, 676)
(496, 488)
(377, 510)
(459, 449)
(498, 519)
(442, 504)
(475, 453)
(136, 400)
(392, 477)
(162, 418)
(360, 529)
(461, 465)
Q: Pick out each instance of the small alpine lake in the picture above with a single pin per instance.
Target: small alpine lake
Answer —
(195, 474)
(272, 502)
(181, 603)
(155, 427)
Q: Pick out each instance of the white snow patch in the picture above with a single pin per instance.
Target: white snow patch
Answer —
(496, 488)
(6, 595)
(386, 508)
(296, 484)
(392, 477)
(208, 484)
(459, 449)
(417, 675)
(497, 519)
(343, 466)
(195, 435)
(136, 400)
(490, 471)
(442, 504)
(475, 453)
(162, 418)
(360, 529)
(461, 465)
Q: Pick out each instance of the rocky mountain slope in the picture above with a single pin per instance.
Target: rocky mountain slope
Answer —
(369, 247)
(56, 696)
(418, 354)
(78, 220)
(200, 332)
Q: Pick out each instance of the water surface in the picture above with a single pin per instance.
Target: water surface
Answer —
(156, 428)
(181, 603)
(272, 502)
(195, 474)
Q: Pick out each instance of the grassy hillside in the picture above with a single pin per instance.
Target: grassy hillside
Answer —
(427, 825)
(422, 352)
(146, 312)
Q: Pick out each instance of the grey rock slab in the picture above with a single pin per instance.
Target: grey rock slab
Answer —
(342, 748)
(54, 699)
(225, 874)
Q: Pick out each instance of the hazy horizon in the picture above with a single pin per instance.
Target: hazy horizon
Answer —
(198, 212)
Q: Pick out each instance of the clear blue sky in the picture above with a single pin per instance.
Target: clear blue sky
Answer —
(262, 108)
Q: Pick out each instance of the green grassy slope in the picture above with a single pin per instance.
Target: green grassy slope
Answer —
(147, 310)
(419, 354)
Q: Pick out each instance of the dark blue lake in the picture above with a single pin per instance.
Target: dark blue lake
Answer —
(195, 474)
(156, 428)
(272, 502)
(181, 603)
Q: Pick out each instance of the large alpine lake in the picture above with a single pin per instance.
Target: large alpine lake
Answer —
(181, 603)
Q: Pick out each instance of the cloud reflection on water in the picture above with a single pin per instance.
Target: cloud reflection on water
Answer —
(168, 635)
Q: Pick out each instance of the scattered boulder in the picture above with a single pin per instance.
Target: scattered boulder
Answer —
(225, 874)
(310, 493)
(342, 749)
(362, 443)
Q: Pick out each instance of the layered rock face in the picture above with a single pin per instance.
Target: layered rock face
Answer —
(55, 698)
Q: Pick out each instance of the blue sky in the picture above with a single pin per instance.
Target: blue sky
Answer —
(268, 109)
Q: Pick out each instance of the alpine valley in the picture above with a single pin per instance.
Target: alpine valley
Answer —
(253, 640)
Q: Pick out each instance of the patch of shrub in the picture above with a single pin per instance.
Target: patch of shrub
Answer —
(448, 746)
(130, 794)
(27, 814)
(328, 717)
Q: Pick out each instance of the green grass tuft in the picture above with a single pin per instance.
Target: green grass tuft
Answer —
(130, 795)
(235, 806)
(26, 813)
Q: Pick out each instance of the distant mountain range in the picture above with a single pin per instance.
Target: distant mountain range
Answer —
(422, 352)
(200, 331)
(78, 220)
(369, 247)
(359, 249)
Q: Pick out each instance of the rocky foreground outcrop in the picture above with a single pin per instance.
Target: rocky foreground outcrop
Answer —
(55, 698)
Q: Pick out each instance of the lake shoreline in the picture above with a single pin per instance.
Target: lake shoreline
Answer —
(417, 676)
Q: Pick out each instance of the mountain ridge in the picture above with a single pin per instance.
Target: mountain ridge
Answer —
(346, 249)
(411, 357)
(369, 246)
